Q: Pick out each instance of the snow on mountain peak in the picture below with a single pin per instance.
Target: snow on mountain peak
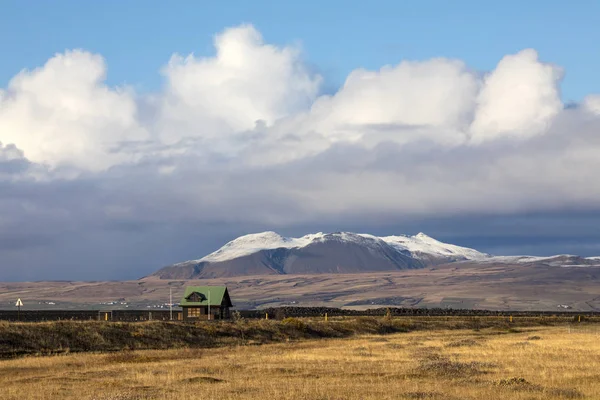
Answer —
(418, 246)
(423, 245)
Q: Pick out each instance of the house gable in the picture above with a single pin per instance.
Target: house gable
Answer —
(226, 299)
(196, 297)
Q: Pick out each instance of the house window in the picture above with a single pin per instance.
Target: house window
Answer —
(193, 311)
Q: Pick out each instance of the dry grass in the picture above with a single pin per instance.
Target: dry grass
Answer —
(45, 338)
(445, 364)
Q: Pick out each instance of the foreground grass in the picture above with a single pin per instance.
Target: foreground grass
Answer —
(44, 338)
(526, 363)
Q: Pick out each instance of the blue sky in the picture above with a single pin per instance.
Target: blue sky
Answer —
(138, 37)
(255, 131)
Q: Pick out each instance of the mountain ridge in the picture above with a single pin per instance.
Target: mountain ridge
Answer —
(268, 253)
(339, 252)
(248, 244)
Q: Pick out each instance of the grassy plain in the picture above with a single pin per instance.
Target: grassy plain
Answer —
(542, 362)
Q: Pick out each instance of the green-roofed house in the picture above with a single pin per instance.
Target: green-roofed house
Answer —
(205, 302)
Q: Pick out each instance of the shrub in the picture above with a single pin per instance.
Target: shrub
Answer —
(294, 323)
(236, 316)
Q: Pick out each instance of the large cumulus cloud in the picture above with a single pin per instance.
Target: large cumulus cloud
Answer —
(245, 138)
(245, 82)
(62, 113)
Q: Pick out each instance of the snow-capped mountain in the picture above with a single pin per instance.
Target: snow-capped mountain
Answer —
(341, 252)
(419, 246)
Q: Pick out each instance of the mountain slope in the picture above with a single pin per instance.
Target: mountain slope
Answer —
(269, 253)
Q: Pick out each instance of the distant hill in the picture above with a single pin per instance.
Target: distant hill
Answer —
(269, 253)
(269, 270)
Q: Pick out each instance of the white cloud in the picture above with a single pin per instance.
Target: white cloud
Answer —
(63, 113)
(519, 98)
(592, 104)
(439, 93)
(246, 81)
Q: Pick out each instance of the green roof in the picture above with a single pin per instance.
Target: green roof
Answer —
(217, 295)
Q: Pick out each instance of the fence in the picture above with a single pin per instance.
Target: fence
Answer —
(88, 315)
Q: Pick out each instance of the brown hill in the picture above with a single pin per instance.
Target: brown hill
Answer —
(494, 286)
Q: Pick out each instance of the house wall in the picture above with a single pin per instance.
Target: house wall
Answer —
(217, 312)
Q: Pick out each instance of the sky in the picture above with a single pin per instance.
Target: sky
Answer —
(138, 134)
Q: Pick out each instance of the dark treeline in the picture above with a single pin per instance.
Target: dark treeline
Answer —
(272, 313)
(297, 312)
(85, 315)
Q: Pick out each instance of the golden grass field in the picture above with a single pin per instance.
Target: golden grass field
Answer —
(525, 363)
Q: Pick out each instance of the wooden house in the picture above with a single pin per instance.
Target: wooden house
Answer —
(206, 302)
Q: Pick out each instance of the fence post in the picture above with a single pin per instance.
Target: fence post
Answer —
(266, 315)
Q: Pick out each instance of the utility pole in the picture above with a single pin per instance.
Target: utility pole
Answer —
(170, 303)
(209, 304)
